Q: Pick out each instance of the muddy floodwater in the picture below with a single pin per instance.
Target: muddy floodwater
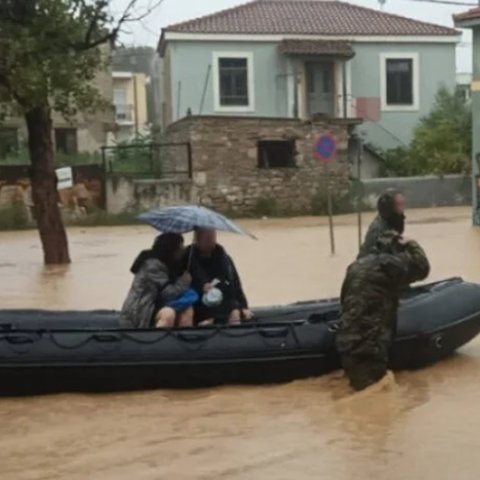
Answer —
(426, 427)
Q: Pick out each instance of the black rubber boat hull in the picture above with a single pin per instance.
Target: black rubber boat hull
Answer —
(434, 321)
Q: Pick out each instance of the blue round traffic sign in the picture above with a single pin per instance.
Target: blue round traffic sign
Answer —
(325, 147)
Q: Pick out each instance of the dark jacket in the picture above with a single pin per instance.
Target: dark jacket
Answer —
(370, 296)
(151, 288)
(219, 265)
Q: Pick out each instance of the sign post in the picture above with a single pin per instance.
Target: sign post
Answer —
(325, 149)
(64, 178)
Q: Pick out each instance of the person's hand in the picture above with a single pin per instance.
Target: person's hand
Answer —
(186, 278)
(247, 314)
(234, 317)
(207, 287)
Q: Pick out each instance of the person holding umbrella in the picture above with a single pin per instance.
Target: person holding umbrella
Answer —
(215, 278)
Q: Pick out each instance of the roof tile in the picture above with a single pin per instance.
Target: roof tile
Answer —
(337, 48)
(308, 17)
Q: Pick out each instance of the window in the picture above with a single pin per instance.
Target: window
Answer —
(66, 140)
(276, 154)
(399, 81)
(8, 141)
(400, 84)
(119, 96)
(233, 82)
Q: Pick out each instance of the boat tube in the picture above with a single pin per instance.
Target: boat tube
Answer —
(52, 351)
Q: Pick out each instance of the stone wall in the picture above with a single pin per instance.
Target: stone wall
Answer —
(131, 194)
(225, 161)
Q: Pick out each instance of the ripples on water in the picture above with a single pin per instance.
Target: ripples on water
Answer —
(425, 427)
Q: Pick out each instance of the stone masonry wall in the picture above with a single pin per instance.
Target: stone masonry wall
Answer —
(226, 174)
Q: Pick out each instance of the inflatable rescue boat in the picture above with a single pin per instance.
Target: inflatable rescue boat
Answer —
(53, 351)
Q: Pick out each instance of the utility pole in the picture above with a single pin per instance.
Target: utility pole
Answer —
(135, 103)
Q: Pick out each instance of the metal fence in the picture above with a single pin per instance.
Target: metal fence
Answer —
(150, 160)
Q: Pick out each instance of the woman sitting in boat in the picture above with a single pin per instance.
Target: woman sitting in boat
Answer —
(216, 279)
(160, 295)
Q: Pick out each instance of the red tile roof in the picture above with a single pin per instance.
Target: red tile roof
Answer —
(471, 14)
(336, 48)
(308, 17)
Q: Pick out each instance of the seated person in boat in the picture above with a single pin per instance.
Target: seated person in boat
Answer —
(391, 216)
(160, 294)
(212, 268)
(369, 303)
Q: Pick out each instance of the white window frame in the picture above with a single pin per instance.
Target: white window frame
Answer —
(414, 56)
(250, 79)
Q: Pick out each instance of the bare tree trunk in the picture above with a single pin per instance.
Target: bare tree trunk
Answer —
(44, 187)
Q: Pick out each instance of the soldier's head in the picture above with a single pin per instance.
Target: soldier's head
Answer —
(391, 208)
(388, 242)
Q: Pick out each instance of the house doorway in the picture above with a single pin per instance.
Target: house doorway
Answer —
(320, 88)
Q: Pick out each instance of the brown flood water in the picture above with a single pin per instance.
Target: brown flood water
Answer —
(426, 427)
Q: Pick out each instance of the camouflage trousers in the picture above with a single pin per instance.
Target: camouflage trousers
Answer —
(364, 345)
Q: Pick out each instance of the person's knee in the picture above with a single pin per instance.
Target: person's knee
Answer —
(165, 318)
(186, 318)
(235, 317)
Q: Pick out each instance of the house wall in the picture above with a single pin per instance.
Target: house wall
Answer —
(225, 169)
(436, 68)
(189, 63)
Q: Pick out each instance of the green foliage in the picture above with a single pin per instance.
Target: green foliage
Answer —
(342, 202)
(267, 207)
(50, 53)
(136, 155)
(441, 141)
(21, 157)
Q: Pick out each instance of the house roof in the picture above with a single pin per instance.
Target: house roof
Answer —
(337, 48)
(308, 17)
(472, 14)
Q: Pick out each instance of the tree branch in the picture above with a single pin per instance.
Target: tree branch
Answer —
(111, 35)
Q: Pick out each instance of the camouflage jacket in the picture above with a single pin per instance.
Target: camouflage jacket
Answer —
(375, 230)
(370, 296)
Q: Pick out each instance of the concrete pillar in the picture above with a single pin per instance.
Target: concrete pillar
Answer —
(476, 124)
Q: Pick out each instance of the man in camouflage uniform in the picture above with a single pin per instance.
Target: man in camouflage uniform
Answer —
(369, 302)
(391, 215)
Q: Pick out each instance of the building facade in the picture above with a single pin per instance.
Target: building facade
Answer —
(130, 104)
(84, 133)
(298, 59)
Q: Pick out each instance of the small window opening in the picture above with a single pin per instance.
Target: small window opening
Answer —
(276, 154)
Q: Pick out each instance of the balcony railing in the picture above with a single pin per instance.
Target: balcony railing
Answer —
(124, 113)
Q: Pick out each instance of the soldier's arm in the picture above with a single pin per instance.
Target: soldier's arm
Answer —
(418, 264)
(406, 267)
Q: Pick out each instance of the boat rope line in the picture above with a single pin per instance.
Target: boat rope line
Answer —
(184, 338)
